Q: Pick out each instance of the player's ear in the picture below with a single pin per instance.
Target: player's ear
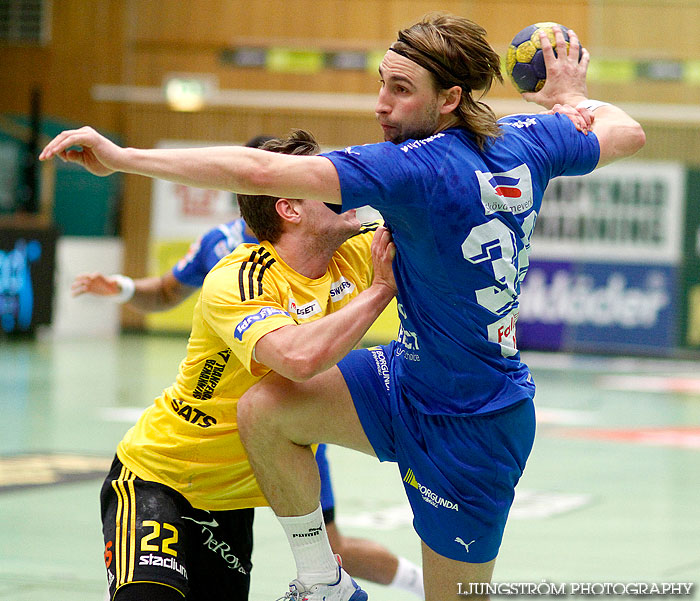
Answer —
(451, 97)
(288, 209)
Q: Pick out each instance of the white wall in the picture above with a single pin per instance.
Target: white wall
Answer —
(85, 315)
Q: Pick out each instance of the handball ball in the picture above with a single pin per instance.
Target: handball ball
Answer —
(525, 61)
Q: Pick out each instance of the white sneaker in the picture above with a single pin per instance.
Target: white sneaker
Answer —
(343, 589)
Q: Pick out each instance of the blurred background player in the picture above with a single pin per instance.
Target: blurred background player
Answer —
(362, 558)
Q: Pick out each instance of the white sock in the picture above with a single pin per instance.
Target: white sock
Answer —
(312, 552)
(409, 577)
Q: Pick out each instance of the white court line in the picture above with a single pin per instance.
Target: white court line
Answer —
(662, 384)
(564, 417)
(528, 505)
(545, 415)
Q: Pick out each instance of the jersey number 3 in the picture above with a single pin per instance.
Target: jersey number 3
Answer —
(495, 243)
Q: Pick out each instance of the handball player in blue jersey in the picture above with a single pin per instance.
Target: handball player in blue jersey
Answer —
(449, 401)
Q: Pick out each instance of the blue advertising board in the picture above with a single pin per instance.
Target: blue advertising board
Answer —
(602, 307)
(605, 267)
(27, 261)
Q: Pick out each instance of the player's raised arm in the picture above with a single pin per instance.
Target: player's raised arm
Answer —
(619, 135)
(234, 168)
(158, 293)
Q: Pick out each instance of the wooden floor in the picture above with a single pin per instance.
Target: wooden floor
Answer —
(611, 492)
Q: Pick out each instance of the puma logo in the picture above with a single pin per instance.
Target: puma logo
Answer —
(212, 524)
(465, 545)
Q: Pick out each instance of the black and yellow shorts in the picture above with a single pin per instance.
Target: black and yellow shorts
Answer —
(153, 535)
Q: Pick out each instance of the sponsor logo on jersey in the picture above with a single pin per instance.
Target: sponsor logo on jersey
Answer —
(420, 143)
(163, 562)
(459, 541)
(428, 495)
(211, 524)
(520, 123)
(221, 249)
(509, 191)
(264, 313)
(341, 288)
(305, 311)
(210, 375)
(502, 332)
(191, 253)
(192, 414)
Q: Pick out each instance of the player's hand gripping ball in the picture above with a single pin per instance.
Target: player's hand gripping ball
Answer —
(525, 61)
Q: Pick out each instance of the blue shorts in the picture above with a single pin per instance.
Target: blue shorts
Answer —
(459, 472)
(327, 499)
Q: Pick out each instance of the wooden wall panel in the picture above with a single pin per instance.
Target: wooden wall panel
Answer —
(86, 47)
(503, 19)
(315, 24)
(22, 68)
(646, 28)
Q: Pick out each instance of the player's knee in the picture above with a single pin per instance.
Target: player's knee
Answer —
(258, 411)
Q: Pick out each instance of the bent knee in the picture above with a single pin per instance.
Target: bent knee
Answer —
(265, 406)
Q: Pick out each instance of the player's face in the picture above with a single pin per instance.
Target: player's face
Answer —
(334, 228)
(407, 106)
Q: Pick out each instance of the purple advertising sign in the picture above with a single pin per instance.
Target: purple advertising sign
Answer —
(602, 307)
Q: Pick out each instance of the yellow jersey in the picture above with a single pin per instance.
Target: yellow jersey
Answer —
(188, 439)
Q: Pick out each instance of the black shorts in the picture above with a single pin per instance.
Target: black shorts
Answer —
(153, 535)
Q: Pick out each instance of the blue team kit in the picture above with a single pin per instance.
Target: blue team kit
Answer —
(462, 220)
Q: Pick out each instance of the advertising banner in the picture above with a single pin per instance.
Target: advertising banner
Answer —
(690, 303)
(27, 263)
(181, 212)
(601, 307)
(179, 216)
(604, 271)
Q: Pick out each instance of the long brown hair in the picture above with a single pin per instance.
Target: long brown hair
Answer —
(455, 51)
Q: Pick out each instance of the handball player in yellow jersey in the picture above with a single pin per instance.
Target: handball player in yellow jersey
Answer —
(177, 505)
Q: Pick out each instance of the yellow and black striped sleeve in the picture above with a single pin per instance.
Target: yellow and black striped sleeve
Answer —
(242, 301)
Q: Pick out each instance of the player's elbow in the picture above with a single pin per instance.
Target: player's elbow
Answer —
(634, 138)
(621, 142)
(640, 137)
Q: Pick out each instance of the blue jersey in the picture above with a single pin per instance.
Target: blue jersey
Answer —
(462, 220)
(206, 252)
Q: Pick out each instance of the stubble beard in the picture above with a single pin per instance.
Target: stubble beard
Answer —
(426, 127)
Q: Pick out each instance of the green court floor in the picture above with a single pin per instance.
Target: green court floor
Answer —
(611, 492)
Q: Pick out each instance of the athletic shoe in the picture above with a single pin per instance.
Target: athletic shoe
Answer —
(343, 589)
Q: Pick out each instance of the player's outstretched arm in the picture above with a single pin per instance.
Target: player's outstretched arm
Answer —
(299, 352)
(143, 294)
(235, 168)
(619, 135)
